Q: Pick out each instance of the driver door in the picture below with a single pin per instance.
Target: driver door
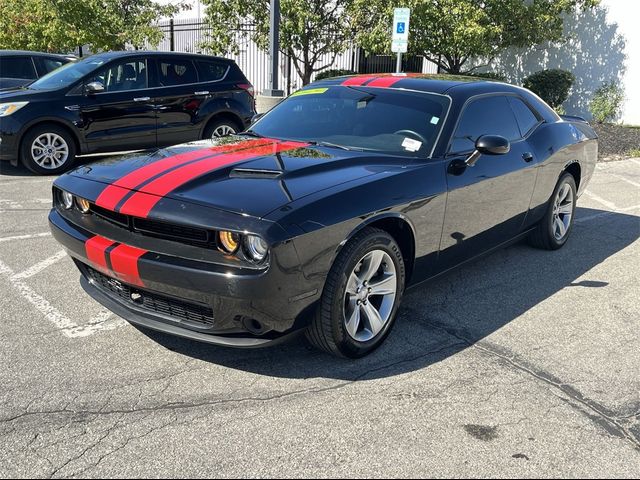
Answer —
(486, 203)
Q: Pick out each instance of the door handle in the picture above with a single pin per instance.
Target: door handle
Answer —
(527, 157)
(142, 99)
(203, 92)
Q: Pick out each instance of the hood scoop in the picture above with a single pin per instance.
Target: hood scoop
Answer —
(254, 173)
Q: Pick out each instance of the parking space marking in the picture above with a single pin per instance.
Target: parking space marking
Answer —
(25, 237)
(600, 200)
(624, 179)
(38, 267)
(66, 326)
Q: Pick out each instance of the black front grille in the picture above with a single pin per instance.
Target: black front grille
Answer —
(170, 231)
(176, 309)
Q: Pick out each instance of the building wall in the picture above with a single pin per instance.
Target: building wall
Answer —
(603, 45)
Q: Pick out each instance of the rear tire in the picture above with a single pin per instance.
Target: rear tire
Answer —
(361, 296)
(221, 127)
(48, 150)
(553, 231)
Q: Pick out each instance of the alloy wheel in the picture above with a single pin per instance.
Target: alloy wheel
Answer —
(562, 211)
(370, 296)
(50, 151)
(223, 131)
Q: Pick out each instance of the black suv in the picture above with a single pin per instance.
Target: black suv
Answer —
(19, 67)
(122, 101)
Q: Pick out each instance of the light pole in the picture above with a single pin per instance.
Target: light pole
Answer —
(274, 51)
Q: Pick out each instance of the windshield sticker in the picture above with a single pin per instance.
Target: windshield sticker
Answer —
(411, 145)
(311, 91)
(435, 120)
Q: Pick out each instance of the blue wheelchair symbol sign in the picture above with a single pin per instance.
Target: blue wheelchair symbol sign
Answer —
(400, 28)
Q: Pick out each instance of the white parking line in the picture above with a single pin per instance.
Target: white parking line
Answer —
(606, 203)
(25, 237)
(624, 179)
(67, 326)
(38, 267)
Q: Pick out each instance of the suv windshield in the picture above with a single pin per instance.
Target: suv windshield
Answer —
(359, 118)
(67, 74)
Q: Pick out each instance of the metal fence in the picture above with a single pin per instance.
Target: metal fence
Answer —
(187, 35)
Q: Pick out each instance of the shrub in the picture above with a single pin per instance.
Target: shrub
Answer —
(334, 72)
(551, 85)
(606, 103)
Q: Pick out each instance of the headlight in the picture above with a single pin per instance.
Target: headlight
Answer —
(67, 200)
(83, 204)
(255, 247)
(7, 109)
(228, 241)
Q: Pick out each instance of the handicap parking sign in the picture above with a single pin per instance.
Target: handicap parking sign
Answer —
(400, 27)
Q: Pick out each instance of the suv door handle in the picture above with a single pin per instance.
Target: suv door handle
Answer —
(142, 99)
(203, 92)
(527, 157)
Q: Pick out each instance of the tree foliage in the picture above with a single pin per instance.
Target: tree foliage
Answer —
(551, 85)
(607, 102)
(309, 29)
(452, 32)
(62, 25)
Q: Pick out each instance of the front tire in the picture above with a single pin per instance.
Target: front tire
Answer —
(361, 296)
(222, 127)
(554, 229)
(48, 150)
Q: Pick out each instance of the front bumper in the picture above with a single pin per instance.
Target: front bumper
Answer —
(9, 138)
(238, 300)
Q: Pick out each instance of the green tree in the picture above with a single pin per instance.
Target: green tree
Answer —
(309, 29)
(62, 25)
(450, 33)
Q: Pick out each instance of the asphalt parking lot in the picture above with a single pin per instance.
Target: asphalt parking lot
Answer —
(523, 364)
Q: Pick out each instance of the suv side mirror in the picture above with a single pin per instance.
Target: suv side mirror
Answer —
(488, 145)
(93, 87)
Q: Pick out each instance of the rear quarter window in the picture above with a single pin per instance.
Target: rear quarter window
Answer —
(211, 71)
(17, 67)
(525, 117)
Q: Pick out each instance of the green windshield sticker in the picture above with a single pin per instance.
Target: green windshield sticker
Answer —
(311, 91)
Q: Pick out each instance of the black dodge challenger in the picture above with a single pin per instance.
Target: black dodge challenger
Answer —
(325, 211)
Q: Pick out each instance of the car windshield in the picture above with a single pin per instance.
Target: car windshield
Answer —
(67, 74)
(359, 118)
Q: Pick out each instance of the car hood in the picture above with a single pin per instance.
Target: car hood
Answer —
(16, 93)
(250, 176)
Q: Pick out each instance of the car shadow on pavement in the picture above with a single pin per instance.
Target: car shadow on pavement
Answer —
(448, 314)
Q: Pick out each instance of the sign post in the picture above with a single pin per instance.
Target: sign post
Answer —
(400, 34)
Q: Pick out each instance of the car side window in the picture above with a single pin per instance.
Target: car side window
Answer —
(211, 71)
(122, 76)
(484, 116)
(525, 117)
(17, 67)
(176, 72)
(50, 64)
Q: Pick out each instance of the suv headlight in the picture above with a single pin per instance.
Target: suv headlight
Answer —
(255, 247)
(7, 109)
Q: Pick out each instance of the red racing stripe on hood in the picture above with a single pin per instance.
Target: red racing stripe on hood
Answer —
(96, 250)
(115, 192)
(141, 202)
(124, 261)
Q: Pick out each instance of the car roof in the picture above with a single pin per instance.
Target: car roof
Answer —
(431, 83)
(10, 53)
(155, 53)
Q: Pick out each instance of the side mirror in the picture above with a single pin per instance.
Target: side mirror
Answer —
(93, 87)
(488, 145)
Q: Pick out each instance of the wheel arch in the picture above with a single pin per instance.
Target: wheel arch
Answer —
(222, 114)
(575, 170)
(400, 228)
(57, 123)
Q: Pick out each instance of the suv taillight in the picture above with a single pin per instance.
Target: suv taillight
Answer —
(246, 87)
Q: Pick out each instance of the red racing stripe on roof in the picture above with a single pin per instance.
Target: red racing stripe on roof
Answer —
(114, 193)
(356, 81)
(385, 81)
(141, 202)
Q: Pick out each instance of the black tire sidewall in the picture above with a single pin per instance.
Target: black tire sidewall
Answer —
(555, 243)
(30, 163)
(348, 346)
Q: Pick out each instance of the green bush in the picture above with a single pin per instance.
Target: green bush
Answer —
(551, 85)
(335, 72)
(606, 103)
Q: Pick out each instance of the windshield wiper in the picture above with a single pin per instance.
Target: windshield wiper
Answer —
(333, 145)
(251, 133)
